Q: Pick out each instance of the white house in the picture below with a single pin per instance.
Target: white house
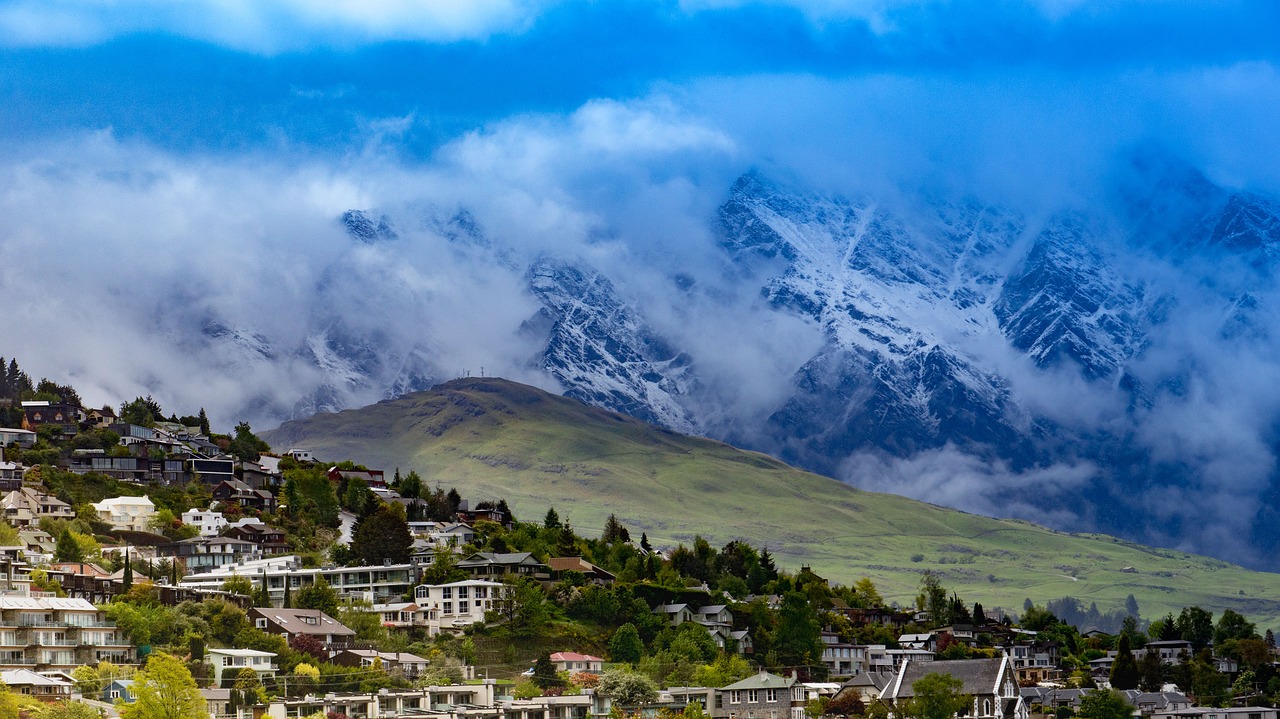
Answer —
(228, 662)
(575, 662)
(456, 605)
(209, 521)
(126, 513)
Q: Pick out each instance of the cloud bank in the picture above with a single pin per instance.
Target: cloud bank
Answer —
(172, 183)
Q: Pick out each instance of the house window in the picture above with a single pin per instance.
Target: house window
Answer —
(462, 592)
(463, 608)
(735, 697)
(986, 707)
(446, 593)
(753, 696)
(261, 623)
(482, 592)
(448, 608)
(771, 695)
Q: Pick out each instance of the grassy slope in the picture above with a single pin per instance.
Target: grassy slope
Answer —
(491, 438)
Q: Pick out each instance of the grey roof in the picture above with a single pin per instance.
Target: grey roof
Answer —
(485, 558)
(868, 679)
(291, 621)
(979, 675)
(763, 680)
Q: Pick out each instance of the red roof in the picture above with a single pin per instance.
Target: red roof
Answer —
(574, 657)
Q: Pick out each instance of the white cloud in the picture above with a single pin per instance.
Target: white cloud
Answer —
(270, 27)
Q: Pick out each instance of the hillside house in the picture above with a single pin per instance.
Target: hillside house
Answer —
(210, 522)
(763, 696)
(574, 662)
(127, 513)
(408, 665)
(25, 507)
(495, 566)
(38, 686)
(204, 554)
(58, 634)
(10, 474)
(594, 574)
(990, 682)
(118, 690)
(237, 492)
(267, 539)
(226, 663)
(371, 477)
(399, 615)
(456, 605)
(840, 658)
(290, 623)
(24, 438)
(42, 413)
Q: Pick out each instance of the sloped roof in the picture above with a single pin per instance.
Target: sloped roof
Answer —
(291, 620)
(26, 677)
(574, 657)
(763, 680)
(876, 680)
(483, 558)
(980, 676)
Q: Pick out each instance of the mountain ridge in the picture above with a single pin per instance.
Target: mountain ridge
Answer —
(492, 439)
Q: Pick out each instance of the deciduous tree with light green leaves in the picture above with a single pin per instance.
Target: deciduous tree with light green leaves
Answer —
(935, 696)
(1104, 704)
(165, 690)
(627, 688)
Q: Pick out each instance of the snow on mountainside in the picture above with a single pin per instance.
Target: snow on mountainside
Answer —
(898, 301)
(965, 353)
(600, 349)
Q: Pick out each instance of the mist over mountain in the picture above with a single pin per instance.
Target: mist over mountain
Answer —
(1017, 258)
(1109, 368)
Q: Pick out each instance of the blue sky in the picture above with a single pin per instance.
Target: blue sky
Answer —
(319, 77)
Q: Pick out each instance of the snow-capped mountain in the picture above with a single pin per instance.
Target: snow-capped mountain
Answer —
(1063, 367)
(600, 350)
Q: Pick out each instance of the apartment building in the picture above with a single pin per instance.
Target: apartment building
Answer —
(50, 633)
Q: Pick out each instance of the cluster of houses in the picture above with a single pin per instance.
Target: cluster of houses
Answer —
(43, 637)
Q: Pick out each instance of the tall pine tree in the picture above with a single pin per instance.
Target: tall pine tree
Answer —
(1124, 671)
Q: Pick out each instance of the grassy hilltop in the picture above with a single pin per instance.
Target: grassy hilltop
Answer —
(493, 438)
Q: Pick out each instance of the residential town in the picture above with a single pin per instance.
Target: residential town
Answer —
(146, 555)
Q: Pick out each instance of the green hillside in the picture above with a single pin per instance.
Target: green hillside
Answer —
(493, 438)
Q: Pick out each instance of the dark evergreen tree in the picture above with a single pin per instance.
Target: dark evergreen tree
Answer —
(798, 639)
(567, 543)
(380, 535)
(246, 446)
(1232, 625)
(142, 411)
(979, 616)
(67, 548)
(552, 520)
(1131, 606)
(1124, 671)
(1195, 625)
(644, 543)
(1151, 673)
(625, 645)
(544, 672)
(411, 485)
(204, 423)
(128, 570)
(613, 529)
